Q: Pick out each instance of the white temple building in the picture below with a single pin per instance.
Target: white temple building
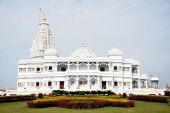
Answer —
(45, 70)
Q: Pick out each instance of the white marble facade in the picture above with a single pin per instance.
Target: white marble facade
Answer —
(45, 71)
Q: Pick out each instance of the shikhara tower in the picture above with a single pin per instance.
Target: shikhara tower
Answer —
(45, 71)
(43, 39)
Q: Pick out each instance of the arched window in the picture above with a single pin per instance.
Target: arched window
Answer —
(115, 83)
(49, 83)
(92, 66)
(19, 84)
(50, 68)
(135, 84)
(62, 68)
(93, 81)
(104, 68)
(82, 81)
(83, 66)
(134, 69)
(37, 84)
(73, 66)
(72, 81)
(115, 68)
(38, 69)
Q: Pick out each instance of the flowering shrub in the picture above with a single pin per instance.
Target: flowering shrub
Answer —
(16, 98)
(149, 98)
(79, 104)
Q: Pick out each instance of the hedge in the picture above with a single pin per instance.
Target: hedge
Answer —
(167, 93)
(16, 98)
(149, 98)
(61, 92)
(79, 104)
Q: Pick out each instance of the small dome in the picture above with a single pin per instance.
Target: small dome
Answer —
(114, 52)
(83, 52)
(154, 79)
(144, 76)
(51, 52)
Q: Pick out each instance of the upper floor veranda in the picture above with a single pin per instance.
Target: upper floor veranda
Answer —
(67, 64)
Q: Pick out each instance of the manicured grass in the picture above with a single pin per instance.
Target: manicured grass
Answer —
(140, 107)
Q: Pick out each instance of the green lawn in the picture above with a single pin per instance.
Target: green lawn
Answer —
(140, 107)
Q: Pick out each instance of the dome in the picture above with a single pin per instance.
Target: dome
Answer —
(51, 52)
(144, 76)
(154, 79)
(83, 52)
(114, 52)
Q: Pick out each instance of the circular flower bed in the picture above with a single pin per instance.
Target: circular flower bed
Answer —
(82, 104)
(79, 104)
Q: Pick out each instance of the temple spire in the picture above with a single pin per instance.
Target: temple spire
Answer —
(43, 39)
(42, 17)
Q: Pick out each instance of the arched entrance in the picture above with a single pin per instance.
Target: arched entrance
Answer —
(72, 83)
(83, 84)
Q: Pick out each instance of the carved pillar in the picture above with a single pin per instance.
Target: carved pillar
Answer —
(66, 83)
(146, 83)
(99, 83)
(139, 86)
(88, 81)
(68, 66)
(109, 66)
(77, 82)
(97, 65)
(88, 65)
(77, 65)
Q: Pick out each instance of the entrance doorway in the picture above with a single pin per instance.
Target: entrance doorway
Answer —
(103, 84)
(61, 84)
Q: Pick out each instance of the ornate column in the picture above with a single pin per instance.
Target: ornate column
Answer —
(122, 83)
(146, 83)
(58, 84)
(97, 65)
(88, 81)
(77, 65)
(139, 83)
(109, 66)
(99, 83)
(66, 83)
(77, 82)
(138, 70)
(88, 65)
(68, 66)
(56, 66)
(131, 84)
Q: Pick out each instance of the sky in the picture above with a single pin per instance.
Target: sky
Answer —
(139, 28)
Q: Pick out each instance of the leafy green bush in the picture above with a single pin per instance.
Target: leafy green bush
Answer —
(109, 92)
(93, 92)
(61, 92)
(40, 95)
(58, 92)
(167, 93)
(87, 92)
(81, 92)
(124, 95)
(99, 92)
